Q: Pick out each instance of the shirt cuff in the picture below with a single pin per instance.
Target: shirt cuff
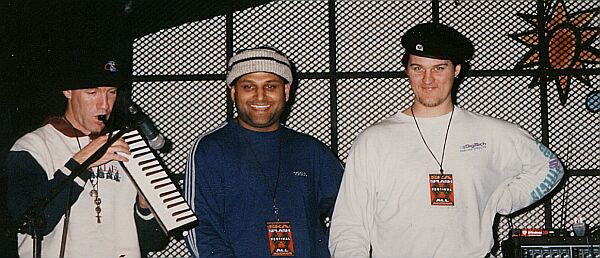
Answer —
(70, 166)
(145, 214)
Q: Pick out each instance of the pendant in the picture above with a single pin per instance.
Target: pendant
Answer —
(98, 210)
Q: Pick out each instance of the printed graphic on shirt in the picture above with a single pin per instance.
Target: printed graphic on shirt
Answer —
(552, 177)
(107, 171)
(300, 173)
(280, 238)
(441, 188)
(473, 146)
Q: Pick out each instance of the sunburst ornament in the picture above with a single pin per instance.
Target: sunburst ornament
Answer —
(569, 40)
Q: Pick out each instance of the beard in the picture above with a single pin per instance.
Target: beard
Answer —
(430, 102)
(95, 133)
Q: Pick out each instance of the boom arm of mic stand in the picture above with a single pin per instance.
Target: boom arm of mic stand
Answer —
(33, 218)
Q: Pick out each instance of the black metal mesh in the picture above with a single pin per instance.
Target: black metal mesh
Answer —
(370, 88)
(368, 33)
(493, 49)
(580, 198)
(177, 50)
(574, 132)
(176, 248)
(363, 102)
(297, 28)
(506, 98)
(311, 113)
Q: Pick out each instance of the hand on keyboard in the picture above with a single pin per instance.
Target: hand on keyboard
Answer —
(111, 154)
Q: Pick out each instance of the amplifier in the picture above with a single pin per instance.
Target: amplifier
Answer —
(551, 247)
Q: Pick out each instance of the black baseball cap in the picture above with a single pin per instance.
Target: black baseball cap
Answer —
(93, 67)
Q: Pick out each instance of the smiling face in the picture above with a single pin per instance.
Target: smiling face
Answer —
(260, 100)
(431, 81)
(85, 105)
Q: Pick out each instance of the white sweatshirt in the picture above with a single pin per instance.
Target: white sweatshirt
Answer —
(384, 200)
(116, 235)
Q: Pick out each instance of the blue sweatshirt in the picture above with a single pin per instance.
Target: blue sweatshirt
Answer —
(232, 175)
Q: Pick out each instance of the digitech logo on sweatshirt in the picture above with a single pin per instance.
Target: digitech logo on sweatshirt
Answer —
(473, 146)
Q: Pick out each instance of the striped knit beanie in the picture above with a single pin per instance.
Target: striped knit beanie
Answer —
(260, 59)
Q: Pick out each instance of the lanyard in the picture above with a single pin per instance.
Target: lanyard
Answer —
(273, 192)
(425, 142)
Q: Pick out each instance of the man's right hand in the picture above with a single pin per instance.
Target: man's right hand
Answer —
(111, 154)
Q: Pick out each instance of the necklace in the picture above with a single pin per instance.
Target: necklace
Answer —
(97, 200)
(263, 174)
(440, 163)
(94, 191)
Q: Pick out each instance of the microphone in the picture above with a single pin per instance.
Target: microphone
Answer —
(155, 139)
(103, 119)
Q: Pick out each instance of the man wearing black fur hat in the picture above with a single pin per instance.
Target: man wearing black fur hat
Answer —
(99, 213)
(429, 181)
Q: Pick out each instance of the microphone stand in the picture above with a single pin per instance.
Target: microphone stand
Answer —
(33, 218)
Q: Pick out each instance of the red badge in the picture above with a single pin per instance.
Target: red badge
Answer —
(280, 238)
(441, 188)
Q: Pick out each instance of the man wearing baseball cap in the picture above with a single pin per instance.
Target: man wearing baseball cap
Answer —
(260, 189)
(428, 181)
(99, 213)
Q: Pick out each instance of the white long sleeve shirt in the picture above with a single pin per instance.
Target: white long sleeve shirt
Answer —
(384, 200)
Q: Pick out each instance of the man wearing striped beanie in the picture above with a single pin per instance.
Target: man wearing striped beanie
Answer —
(258, 188)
